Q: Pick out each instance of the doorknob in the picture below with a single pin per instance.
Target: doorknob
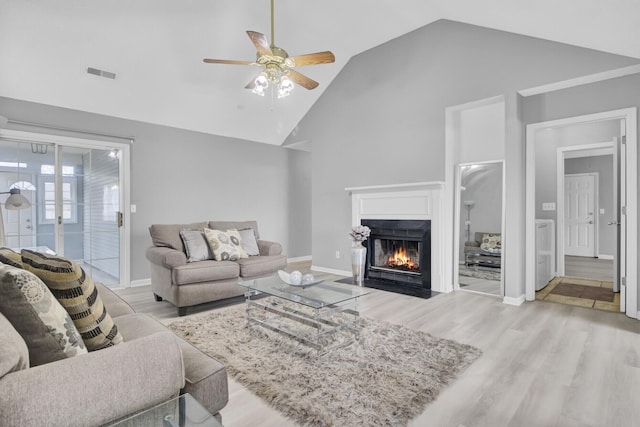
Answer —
(590, 222)
(613, 223)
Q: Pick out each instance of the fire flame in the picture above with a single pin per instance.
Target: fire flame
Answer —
(401, 259)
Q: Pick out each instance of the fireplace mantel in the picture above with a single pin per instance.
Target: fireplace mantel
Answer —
(419, 200)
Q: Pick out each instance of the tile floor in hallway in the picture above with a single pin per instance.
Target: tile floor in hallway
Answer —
(581, 292)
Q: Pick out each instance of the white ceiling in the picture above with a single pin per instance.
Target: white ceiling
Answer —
(156, 49)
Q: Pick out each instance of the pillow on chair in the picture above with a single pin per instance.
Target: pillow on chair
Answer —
(491, 242)
(225, 245)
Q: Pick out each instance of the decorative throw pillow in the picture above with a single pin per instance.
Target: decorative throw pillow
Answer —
(9, 257)
(78, 295)
(249, 242)
(14, 353)
(491, 242)
(196, 246)
(34, 312)
(225, 245)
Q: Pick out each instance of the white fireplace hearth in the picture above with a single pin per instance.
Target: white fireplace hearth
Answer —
(413, 201)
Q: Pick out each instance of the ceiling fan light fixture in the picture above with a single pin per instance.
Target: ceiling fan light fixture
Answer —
(285, 87)
(261, 84)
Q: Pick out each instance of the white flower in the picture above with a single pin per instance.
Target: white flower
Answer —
(360, 233)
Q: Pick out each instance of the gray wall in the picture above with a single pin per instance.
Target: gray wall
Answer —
(382, 120)
(180, 176)
(300, 213)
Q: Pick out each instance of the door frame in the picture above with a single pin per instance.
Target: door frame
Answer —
(125, 194)
(629, 293)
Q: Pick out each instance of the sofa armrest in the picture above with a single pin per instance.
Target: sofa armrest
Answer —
(166, 257)
(94, 388)
(269, 248)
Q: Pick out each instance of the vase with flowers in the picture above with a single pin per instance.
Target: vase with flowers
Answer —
(358, 234)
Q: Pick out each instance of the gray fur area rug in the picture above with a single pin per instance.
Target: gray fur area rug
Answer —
(385, 378)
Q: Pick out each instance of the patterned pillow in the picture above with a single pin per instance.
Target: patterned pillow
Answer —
(196, 246)
(78, 295)
(43, 323)
(9, 257)
(491, 242)
(225, 245)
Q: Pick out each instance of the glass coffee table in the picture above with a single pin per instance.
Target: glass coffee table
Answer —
(323, 316)
(182, 411)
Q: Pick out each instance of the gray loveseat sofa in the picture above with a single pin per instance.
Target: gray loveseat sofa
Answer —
(186, 284)
(151, 366)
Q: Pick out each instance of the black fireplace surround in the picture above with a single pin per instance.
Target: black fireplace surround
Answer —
(409, 272)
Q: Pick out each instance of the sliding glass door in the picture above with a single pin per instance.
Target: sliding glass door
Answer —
(75, 191)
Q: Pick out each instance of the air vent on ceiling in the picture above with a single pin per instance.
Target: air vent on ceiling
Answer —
(101, 73)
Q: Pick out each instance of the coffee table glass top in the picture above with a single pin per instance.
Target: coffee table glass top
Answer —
(182, 411)
(317, 296)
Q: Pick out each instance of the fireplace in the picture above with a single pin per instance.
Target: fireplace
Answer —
(399, 252)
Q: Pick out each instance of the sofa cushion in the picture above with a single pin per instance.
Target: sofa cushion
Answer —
(256, 266)
(168, 235)
(196, 245)
(204, 271)
(238, 225)
(9, 257)
(206, 378)
(34, 312)
(225, 245)
(249, 242)
(14, 354)
(78, 295)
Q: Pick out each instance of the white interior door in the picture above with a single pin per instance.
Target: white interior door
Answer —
(579, 215)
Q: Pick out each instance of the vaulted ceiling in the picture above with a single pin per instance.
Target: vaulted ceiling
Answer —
(156, 47)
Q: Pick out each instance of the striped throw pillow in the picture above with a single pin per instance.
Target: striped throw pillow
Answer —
(77, 293)
(9, 257)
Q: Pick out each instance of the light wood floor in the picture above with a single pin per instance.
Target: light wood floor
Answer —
(543, 364)
(587, 267)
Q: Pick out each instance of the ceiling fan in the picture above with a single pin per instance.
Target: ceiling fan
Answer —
(277, 65)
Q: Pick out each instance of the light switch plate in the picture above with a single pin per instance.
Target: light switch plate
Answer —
(601, 211)
(549, 206)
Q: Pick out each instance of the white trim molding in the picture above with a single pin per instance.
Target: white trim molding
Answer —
(140, 282)
(420, 200)
(331, 271)
(514, 301)
(300, 259)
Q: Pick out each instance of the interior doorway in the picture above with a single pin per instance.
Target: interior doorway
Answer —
(573, 138)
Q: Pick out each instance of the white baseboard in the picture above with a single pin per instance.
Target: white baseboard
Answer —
(513, 301)
(332, 271)
(603, 256)
(299, 259)
(140, 282)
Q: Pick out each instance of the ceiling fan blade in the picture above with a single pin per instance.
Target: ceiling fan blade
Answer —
(302, 80)
(227, 61)
(325, 57)
(261, 43)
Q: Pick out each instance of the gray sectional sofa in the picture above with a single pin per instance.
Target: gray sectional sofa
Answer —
(185, 284)
(151, 366)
